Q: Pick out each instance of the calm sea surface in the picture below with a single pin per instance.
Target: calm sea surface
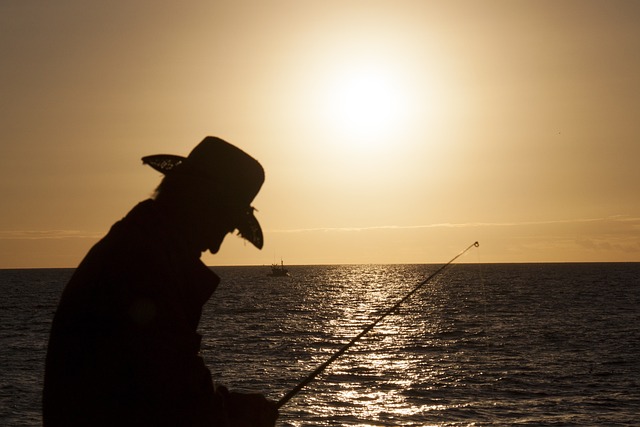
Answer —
(492, 344)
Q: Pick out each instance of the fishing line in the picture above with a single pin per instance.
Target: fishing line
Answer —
(346, 347)
(484, 299)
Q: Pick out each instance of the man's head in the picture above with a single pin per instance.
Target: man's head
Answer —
(216, 184)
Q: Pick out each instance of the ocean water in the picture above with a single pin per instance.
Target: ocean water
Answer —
(482, 344)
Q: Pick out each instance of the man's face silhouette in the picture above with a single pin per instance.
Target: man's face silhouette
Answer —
(216, 224)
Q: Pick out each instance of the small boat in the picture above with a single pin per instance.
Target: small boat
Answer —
(278, 270)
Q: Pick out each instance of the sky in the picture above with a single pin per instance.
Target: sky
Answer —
(390, 131)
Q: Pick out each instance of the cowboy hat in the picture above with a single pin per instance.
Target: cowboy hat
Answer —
(234, 176)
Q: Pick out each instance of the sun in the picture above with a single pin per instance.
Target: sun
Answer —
(366, 104)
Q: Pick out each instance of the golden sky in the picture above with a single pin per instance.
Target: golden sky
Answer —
(390, 131)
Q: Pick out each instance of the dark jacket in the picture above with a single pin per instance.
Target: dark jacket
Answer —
(124, 347)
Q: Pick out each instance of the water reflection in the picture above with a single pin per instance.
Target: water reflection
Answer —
(371, 384)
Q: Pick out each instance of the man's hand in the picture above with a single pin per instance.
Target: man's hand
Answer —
(251, 410)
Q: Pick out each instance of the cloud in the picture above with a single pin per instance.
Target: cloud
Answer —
(632, 221)
(48, 234)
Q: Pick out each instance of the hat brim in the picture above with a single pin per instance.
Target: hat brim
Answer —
(248, 225)
(164, 163)
(249, 228)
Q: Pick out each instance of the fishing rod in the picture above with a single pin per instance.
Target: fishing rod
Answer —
(346, 347)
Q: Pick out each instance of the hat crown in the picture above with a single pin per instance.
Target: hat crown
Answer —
(233, 171)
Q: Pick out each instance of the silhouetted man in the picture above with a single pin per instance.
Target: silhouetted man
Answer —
(124, 347)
